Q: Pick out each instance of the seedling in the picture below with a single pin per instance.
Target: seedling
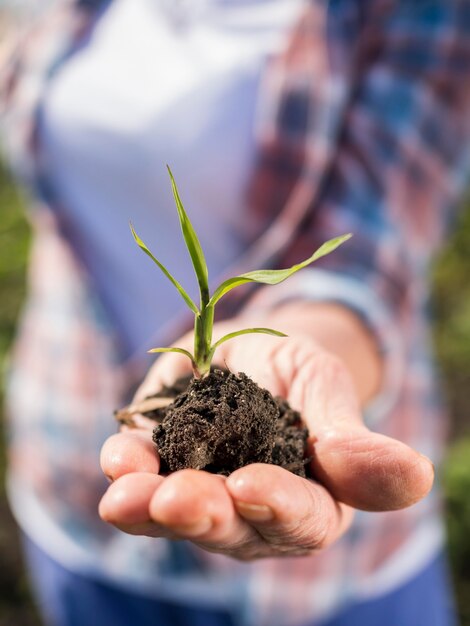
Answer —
(204, 349)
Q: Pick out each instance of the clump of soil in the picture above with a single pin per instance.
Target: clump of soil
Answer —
(226, 421)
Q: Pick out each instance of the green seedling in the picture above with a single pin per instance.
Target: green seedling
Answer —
(204, 349)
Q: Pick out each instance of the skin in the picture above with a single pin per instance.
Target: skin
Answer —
(327, 368)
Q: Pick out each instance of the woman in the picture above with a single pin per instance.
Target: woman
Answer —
(286, 123)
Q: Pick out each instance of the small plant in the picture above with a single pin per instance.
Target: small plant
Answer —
(204, 349)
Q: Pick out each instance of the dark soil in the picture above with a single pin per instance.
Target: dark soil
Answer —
(226, 421)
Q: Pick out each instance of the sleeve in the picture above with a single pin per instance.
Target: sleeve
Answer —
(399, 169)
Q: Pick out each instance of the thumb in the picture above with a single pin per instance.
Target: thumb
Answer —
(366, 470)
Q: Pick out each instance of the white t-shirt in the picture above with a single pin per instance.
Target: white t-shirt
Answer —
(160, 81)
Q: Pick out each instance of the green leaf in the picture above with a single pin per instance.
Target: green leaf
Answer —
(183, 293)
(178, 350)
(247, 331)
(273, 277)
(193, 245)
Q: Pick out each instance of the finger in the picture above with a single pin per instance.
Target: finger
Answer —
(291, 513)
(196, 505)
(128, 452)
(126, 503)
(370, 471)
(364, 469)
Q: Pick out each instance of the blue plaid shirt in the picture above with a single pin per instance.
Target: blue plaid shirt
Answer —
(365, 127)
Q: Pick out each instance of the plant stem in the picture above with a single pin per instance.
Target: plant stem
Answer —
(203, 325)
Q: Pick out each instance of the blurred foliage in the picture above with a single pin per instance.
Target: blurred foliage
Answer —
(16, 608)
(456, 480)
(14, 243)
(451, 305)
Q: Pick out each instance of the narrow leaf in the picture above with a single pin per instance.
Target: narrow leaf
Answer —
(181, 290)
(193, 245)
(178, 350)
(273, 277)
(247, 331)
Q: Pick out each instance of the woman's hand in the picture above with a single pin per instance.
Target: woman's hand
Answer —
(263, 510)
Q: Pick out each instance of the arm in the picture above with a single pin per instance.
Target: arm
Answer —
(262, 510)
(390, 158)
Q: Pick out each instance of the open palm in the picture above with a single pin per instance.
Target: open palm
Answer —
(263, 510)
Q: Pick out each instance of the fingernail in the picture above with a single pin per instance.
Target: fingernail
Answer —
(254, 512)
(201, 527)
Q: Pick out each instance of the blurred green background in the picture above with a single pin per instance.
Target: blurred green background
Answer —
(452, 339)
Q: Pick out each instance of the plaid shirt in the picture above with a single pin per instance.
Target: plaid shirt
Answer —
(365, 127)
